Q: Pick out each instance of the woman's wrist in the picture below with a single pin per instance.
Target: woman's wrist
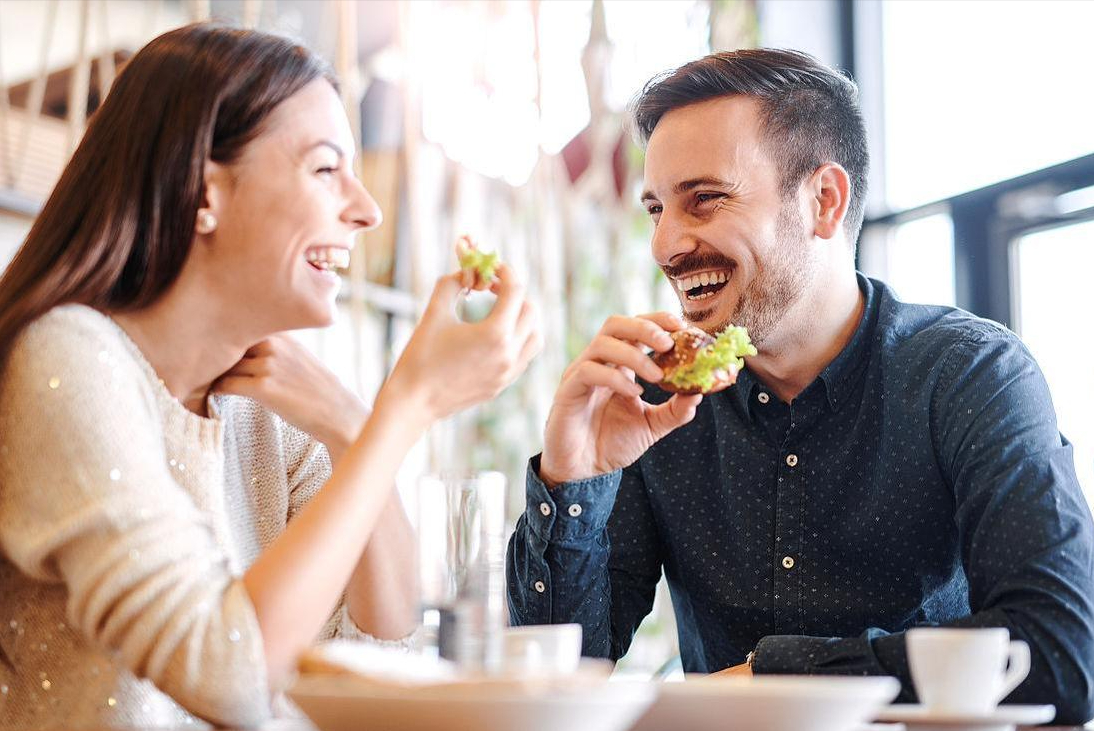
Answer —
(401, 401)
(351, 420)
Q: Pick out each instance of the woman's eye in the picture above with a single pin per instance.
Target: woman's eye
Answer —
(653, 210)
(327, 170)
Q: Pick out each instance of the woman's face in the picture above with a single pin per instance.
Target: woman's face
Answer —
(288, 210)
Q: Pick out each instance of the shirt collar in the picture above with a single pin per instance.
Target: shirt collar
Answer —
(843, 373)
(839, 376)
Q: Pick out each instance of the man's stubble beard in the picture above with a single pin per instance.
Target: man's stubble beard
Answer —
(779, 282)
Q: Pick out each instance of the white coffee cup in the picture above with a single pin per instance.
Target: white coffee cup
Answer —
(965, 670)
(541, 649)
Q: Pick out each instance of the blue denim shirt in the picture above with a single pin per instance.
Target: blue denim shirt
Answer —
(921, 479)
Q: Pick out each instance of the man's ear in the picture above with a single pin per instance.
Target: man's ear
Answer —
(830, 188)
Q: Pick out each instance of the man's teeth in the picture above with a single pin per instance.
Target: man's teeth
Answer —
(328, 258)
(699, 280)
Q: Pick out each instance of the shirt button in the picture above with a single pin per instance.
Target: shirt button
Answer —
(545, 508)
(574, 510)
(788, 562)
(539, 586)
(763, 398)
(791, 460)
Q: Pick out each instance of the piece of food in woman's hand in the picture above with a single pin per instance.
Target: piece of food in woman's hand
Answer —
(699, 363)
(478, 267)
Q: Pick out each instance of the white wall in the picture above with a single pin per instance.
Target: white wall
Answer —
(802, 25)
(13, 229)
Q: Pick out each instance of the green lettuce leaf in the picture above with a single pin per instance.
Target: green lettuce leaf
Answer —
(483, 264)
(728, 349)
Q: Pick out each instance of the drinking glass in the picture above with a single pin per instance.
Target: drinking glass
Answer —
(461, 559)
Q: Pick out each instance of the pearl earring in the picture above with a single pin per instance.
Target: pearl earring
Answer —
(207, 222)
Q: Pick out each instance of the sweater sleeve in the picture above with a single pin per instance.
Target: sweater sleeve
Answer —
(88, 500)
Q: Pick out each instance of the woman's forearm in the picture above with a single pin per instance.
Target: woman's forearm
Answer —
(296, 582)
(382, 596)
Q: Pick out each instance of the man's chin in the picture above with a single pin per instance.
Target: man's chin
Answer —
(709, 319)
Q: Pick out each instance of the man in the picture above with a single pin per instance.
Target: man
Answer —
(878, 465)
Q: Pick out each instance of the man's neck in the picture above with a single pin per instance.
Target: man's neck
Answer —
(810, 336)
(189, 338)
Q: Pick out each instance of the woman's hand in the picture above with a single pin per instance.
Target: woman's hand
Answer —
(449, 365)
(284, 376)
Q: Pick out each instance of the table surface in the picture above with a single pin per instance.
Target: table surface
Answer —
(302, 725)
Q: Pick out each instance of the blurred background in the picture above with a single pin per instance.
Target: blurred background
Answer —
(504, 119)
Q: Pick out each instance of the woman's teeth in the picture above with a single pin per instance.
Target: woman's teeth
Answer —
(701, 286)
(328, 258)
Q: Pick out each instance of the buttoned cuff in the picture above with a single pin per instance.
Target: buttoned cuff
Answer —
(572, 511)
(800, 655)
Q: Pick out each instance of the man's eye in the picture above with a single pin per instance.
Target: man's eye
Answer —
(705, 197)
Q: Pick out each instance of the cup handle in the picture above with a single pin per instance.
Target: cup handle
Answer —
(1017, 668)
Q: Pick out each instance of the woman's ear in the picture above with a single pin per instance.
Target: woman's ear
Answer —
(831, 189)
(214, 200)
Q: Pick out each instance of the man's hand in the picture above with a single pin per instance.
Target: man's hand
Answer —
(741, 671)
(282, 375)
(598, 422)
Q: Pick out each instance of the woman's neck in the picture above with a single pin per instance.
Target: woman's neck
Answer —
(189, 341)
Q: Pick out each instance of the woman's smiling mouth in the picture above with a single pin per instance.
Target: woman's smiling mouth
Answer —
(327, 258)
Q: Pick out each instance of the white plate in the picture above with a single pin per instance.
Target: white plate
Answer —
(349, 703)
(768, 703)
(922, 718)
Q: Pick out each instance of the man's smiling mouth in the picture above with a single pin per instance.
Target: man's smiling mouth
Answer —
(696, 287)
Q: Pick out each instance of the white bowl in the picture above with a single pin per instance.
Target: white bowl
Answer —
(768, 703)
(349, 703)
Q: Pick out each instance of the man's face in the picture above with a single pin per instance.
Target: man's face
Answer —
(733, 248)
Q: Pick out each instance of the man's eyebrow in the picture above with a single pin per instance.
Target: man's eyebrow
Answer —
(685, 185)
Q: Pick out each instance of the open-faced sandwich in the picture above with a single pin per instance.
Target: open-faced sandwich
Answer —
(478, 267)
(699, 363)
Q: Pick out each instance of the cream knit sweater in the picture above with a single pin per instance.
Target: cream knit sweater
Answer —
(126, 522)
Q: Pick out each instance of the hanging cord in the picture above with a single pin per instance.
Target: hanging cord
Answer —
(12, 165)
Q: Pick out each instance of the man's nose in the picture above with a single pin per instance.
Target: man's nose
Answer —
(671, 240)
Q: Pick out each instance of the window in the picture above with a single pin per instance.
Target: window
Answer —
(1053, 302)
(978, 92)
(915, 258)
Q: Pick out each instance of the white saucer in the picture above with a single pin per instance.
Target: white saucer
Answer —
(922, 718)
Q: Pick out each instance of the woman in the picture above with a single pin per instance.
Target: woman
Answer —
(150, 569)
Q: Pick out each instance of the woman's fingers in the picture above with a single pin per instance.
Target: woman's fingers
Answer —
(510, 294)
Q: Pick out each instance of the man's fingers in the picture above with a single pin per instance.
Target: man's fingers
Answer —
(589, 374)
(637, 330)
(615, 352)
(665, 321)
(672, 414)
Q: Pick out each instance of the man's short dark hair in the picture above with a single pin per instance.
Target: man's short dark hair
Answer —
(810, 112)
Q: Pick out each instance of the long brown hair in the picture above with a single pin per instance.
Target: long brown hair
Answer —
(119, 224)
